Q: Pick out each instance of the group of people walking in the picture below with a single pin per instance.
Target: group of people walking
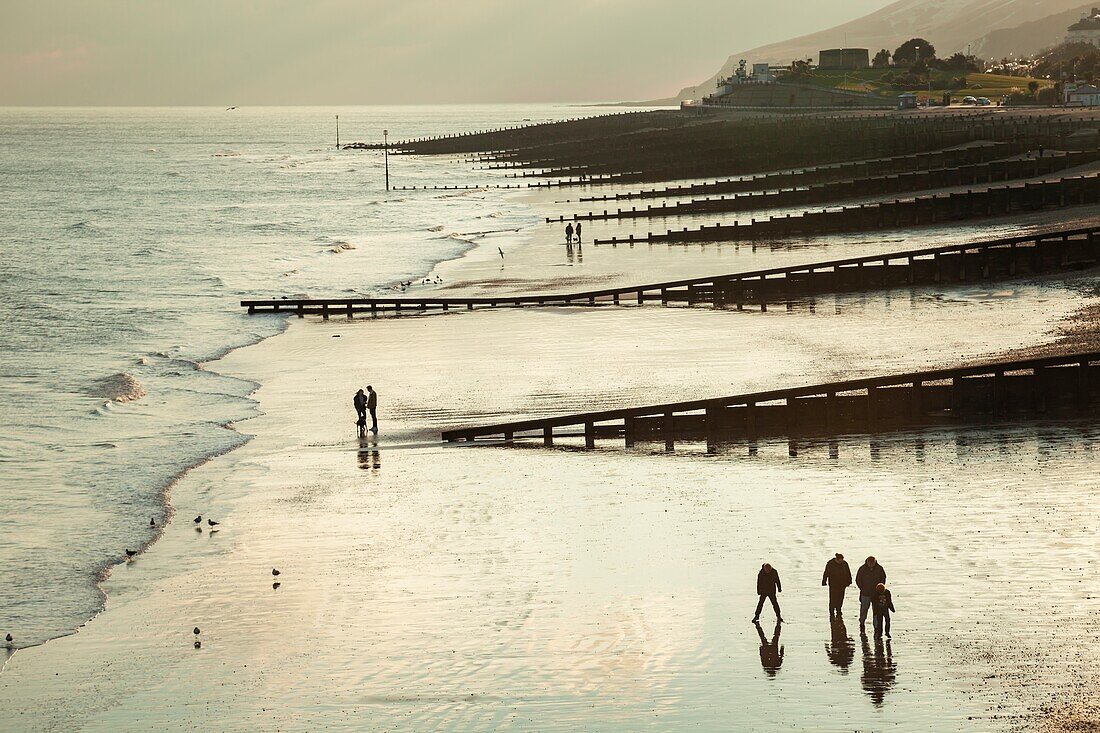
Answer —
(570, 232)
(366, 403)
(870, 579)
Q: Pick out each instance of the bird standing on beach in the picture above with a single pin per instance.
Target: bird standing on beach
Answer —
(197, 632)
(152, 522)
(501, 252)
(275, 572)
(9, 639)
(212, 523)
(197, 519)
(130, 554)
(275, 585)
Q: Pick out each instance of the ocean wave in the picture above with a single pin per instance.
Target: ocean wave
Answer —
(121, 387)
(83, 227)
(437, 228)
(341, 247)
(226, 154)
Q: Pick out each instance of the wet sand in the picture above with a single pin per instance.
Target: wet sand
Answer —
(425, 587)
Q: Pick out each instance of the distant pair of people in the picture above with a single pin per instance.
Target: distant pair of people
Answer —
(870, 579)
(570, 232)
(366, 403)
(873, 593)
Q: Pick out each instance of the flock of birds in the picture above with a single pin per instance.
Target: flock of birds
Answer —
(197, 521)
(403, 286)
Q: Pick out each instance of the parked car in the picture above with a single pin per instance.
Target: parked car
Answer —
(970, 100)
(984, 102)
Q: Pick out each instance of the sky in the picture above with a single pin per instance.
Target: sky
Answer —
(280, 52)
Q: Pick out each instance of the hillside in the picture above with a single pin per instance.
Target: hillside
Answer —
(1029, 38)
(951, 25)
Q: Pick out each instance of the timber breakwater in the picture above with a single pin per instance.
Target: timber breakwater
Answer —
(889, 172)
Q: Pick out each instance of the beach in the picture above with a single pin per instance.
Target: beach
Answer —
(432, 587)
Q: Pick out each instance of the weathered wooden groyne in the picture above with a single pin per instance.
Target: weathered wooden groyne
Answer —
(922, 210)
(848, 170)
(996, 391)
(979, 174)
(999, 259)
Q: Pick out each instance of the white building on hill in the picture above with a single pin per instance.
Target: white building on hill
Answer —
(1086, 30)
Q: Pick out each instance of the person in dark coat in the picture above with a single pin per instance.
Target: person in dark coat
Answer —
(767, 585)
(838, 576)
(869, 575)
(578, 230)
(372, 407)
(569, 233)
(883, 604)
(360, 402)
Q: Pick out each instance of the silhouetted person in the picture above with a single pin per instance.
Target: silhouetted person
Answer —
(767, 585)
(841, 648)
(372, 407)
(838, 576)
(360, 402)
(568, 233)
(578, 232)
(879, 671)
(771, 652)
(869, 575)
(882, 603)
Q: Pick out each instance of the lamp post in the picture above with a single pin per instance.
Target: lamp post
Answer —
(386, 155)
(337, 132)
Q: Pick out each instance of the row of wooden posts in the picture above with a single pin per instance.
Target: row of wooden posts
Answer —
(1003, 170)
(1044, 387)
(1037, 253)
(937, 208)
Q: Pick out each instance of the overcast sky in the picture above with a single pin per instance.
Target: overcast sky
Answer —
(162, 52)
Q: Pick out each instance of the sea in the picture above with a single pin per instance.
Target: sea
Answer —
(128, 236)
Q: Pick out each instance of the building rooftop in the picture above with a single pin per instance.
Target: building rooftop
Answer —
(1088, 23)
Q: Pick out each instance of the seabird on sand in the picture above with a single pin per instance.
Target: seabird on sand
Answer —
(8, 639)
(275, 572)
(152, 522)
(275, 585)
(197, 632)
(212, 523)
(130, 553)
(197, 519)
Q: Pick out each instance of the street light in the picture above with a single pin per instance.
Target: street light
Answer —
(386, 155)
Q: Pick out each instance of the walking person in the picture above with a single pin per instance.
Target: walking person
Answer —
(767, 585)
(568, 233)
(838, 576)
(372, 407)
(360, 402)
(578, 232)
(883, 604)
(869, 575)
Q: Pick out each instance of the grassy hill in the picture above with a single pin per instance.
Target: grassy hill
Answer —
(871, 81)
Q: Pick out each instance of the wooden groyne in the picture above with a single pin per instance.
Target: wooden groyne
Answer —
(1004, 390)
(849, 170)
(922, 210)
(1032, 254)
(986, 173)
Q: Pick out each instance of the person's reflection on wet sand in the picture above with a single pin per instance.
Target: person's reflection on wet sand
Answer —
(879, 671)
(841, 647)
(370, 458)
(771, 652)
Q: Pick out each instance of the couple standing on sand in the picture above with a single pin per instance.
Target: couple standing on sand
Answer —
(870, 579)
(365, 403)
(569, 233)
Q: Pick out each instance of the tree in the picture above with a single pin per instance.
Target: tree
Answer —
(1033, 87)
(960, 62)
(882, 59)
(913, 49)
